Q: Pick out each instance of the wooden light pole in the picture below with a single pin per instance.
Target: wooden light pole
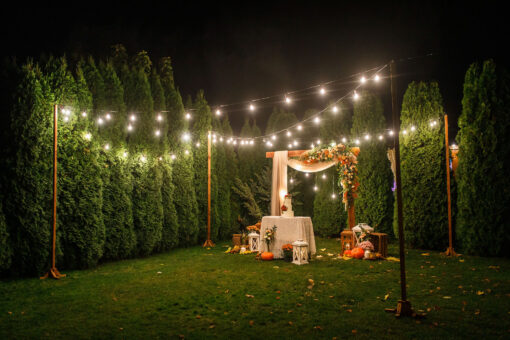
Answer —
(208, 242)
(450, 251)
(53, 272)
(403, 305)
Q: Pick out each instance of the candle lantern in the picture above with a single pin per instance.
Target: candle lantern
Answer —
(300, 252)
(254, 241)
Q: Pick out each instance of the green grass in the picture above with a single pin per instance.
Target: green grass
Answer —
(202, 293)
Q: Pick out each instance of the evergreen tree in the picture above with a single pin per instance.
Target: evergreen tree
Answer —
(483, 187)
(5, 245)
(423, 170)
(245, 153)
(27, 211)
(374, 205)
(183, 180)
(221, 206)
(120, 241)
(80, 219)
(143, 149)
(201, 126)
(95, 85)
(329, 215)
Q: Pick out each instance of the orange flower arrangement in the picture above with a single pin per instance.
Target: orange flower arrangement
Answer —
(287, 247)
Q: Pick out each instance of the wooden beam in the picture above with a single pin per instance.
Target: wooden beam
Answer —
(292, 153)
(450, 251)
(208, 242)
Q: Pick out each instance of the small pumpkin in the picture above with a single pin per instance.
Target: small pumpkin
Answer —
(267, 256)
(358, 253)
(348, 253)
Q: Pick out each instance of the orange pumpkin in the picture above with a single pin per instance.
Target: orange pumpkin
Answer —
(267, 256)
(348, 252)
(358, 253)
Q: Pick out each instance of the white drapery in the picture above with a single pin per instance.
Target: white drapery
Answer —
(279, 187)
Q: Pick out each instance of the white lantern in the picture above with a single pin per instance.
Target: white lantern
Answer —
(300, 252)
(254, 240)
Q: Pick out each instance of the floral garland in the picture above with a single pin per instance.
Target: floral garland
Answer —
(347, 168)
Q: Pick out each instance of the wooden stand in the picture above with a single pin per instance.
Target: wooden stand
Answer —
(208, 242)
(450, 251)
(380, 241)
(346, 236)
(53, 272)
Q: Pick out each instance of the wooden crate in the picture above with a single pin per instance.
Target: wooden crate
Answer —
(347, 236)
(380, 241)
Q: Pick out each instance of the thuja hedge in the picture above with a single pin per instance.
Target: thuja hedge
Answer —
(120, 194)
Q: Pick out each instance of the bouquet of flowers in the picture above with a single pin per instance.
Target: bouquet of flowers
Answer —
(284, 207)
(287, 252)
(269, 236)
(366, 245)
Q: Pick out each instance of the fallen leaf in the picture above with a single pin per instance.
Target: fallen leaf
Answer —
(318, 256)
(212, 326)
(461, 260)
(447, 297)
(354, 331)
(480, 292)
(249, 296)
(251, 322)
(277, 298)
(159, 273)
(198, 317)
(323, 249)
(318, 327)
(329, 254)
(425, 254)
(386, 296)
(394, 259)
(290, 323)
(276, 267)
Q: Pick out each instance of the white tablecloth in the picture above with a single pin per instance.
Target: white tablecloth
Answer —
(289, 229)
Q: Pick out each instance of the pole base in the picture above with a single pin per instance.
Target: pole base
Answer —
(404, 309)
(208, 243)
(53, 274)
(450, 252)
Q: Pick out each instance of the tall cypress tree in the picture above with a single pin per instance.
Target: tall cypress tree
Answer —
(183, 180)
(375, 198)
(329, 215)
(80, 187)
(146, 198)
(201, 125)
(423, 170)
(120, 239)
(5, 246)
(483, 187)
(232, 172)
(28, 209)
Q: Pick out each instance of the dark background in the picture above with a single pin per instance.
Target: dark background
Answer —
(243, 51)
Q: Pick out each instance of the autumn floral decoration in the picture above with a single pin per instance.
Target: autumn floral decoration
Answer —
(284, 207)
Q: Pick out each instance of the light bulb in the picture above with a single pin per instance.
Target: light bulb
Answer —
(367, 137)
(188, 116)
(376, 78)
(390, 132)
(287, 100)
(100, 121)
(291, 180)
(157, 133)
(251, 142)
(132, 118)
(404, 132)
(315, 188)
(289, 134)
(221, 139)
(235, 142)
(66, 118)
(198, 144)
(333, 196)
(413, 128)
(84, 114)
(307, 174)
(356, 141)
(333, 143)
(130, 127)
(173, 156)
(299, 127)
(229, 140)
(363, 80)
(433, 123)
(323, 176)
(186, 137)
(318, 141)
(186, 152)
(356, 95)
(108, 116)
(313, 146)
(124, 154)
(252, 107)
(242, 142)
(88, 136)
(143, 158)
(218, 112)
(290, 145)
(317, 120)
(160, 158)
(344, 140)
(269, 144)
(107, 146)
(381, 137)
(296, 143)
(159, 118)
(335, 109)
(322, 91)
(273, 137)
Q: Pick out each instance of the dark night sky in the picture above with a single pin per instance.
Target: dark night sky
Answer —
(244, 51)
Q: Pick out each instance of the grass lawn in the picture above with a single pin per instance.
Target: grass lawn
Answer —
(199, 293)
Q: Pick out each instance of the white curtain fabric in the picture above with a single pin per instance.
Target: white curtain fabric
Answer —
(288, 230)
(279, 187)
(304, 167)
(391, 157)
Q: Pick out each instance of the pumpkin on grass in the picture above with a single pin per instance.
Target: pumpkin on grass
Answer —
(267, 256)
(358, 253)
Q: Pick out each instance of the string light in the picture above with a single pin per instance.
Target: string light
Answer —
(289, 133)
(356, 95)
(160, 158)
(317, 120)
(307, 174)
(344, 140)
(296, 143)
(100, 121)
(367, 137)
(132, 118)
(107, 146)
(318, 142)
(322, 91)
(315, 188)
(252, 107)
(291, 180)
(363, 80)
(84, 114)
(324, 176)
(188, 116)
(242, 142)
(234, 142)
(381, 137)
(290, 146)
(186, 137)
(333, 143)
(313, 146)
(108, 116)
(186, 152)
(376, 78)
(333, 195)
(288, 100)
(218, 112)
(273, 137)
(413, 128)
(198, 144)
(433, 123)
(252, 142)
(124, 154)
(143, 158)
(299, 127)
(157, 133)
(335, 109)
(66, 118)
(221, 139)
(88, 136)
(269, 144)
(356, 141)
(130, 127)
(390, 132)
(173, 157)
(404, 132)
(159, 118)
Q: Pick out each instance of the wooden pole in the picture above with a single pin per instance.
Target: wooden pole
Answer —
(403, 306)
(450, 251)
(208, 242)
(53, 272)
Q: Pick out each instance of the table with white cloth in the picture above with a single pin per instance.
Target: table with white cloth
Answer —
(288, 230)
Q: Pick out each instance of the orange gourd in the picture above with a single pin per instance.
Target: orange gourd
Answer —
(358, 253)
(348, 252)
(267, 256)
